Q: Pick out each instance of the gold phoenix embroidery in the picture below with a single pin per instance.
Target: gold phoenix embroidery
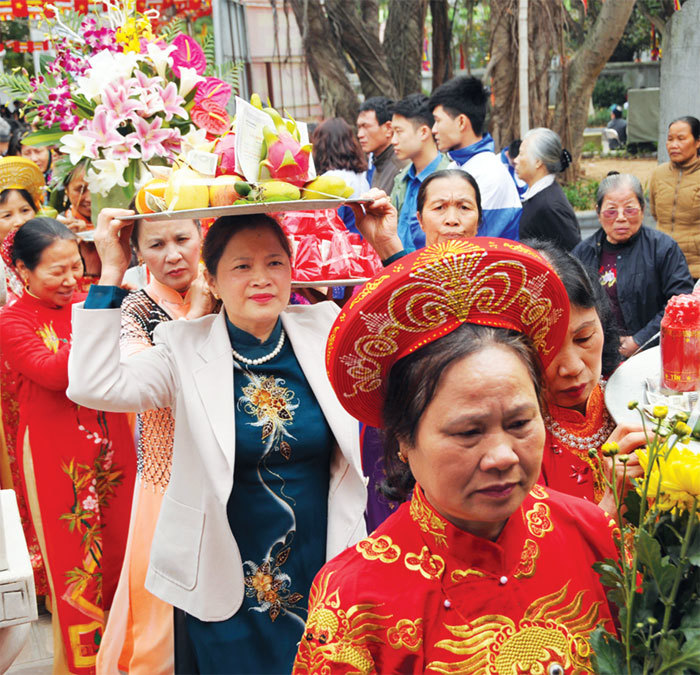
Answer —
(335, 634)
(538, 492)
(538, 520)
(380, 548)
(551, 631)
(461, 575)
(406, 633)
(446, 285)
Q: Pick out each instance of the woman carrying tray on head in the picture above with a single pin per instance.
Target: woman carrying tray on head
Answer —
(445, 350)
(266, 481)
(139, 633)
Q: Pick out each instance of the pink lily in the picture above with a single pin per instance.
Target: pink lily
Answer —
(172, 102)
(151, 136)
(173, 145)
(115, 97)
(103, 128)
(125, 150)
(145, 82)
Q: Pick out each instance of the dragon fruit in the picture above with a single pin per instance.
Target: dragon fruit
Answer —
(284, 157)
(225, 147)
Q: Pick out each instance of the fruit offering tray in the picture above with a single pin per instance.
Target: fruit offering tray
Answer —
(243, 209)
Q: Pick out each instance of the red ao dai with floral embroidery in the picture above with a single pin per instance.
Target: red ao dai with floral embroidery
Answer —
(83, 475)
(421, 596)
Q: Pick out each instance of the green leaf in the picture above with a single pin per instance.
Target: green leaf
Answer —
(649, 554)
(610, 574)
(690, 623)
(678, 659)
(607, 653)
(633, 503)
(694, 548)
(50, 136)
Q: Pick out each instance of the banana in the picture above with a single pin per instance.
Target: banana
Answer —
(325, 185)
(268, 191)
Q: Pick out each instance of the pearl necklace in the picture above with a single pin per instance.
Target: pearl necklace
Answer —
(262, 359)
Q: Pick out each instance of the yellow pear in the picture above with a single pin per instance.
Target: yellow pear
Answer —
(186, 189)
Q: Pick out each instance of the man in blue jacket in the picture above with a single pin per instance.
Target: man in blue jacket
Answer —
(459, 108)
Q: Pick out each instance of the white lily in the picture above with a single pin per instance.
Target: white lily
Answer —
(194, 139)
(110, 173)
(77, 146)
(160, 57)
(188, 80)
(106, 67)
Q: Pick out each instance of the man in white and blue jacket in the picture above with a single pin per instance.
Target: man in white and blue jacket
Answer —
(459, 108)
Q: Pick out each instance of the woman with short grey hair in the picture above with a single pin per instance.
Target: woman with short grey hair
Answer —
(547, 214)
(639, 268)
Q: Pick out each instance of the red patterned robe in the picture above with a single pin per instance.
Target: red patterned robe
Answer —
(566, 465)
(80, 488)
(421, 596)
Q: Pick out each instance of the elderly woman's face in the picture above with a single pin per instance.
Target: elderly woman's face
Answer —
(40, 156)
(525, 166)
(450, 210)
(620, 215)
(479, 442)
(253, 279)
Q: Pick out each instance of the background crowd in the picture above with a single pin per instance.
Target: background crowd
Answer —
(175, 441)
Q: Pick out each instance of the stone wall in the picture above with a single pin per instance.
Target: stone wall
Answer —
(680, 74)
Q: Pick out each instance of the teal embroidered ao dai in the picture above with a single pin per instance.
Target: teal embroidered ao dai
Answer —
(278, 510)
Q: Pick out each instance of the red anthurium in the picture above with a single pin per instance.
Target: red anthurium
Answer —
(213, 89)
(211, 116)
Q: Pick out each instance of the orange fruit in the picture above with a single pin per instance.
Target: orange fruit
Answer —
(156, 188)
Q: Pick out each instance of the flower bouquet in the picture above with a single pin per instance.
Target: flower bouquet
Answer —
(655, 583)
(122, 99)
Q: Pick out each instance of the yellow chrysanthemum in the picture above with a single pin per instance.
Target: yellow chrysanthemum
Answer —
(679, 473)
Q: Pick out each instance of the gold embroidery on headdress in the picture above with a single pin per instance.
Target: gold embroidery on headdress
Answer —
(444, 285)
(550, 632)
(368, 288)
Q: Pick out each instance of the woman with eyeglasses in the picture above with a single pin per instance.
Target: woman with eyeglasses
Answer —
(639, 268)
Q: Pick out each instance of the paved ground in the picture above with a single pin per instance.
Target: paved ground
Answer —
(36, 657)
(598, 167)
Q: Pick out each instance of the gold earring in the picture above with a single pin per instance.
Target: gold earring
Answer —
(401, 457)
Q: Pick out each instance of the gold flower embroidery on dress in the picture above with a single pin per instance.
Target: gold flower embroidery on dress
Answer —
(270, 586)
(461, 575)
(538, 520)
(538, 492)
(381, 548)
(445, 286)
(552, 631)
(47, 333)
(338, 635)
(272, 404)
(429, 565)
(528, 559)
(406, 633)
(428, 521)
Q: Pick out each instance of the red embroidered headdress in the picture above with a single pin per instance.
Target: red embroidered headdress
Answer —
(425, 295)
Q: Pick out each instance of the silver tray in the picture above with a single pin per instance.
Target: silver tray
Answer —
(329, 282)
(244, 209)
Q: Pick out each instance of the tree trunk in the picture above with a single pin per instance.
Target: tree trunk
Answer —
(362, 44)
(442, 42)
(325, 61)
(403, 44)
(544, 28)
(580, 74)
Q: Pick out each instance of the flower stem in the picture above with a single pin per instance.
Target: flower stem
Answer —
(669, 602)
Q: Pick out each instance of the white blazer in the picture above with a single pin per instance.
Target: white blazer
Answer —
(195, 562)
